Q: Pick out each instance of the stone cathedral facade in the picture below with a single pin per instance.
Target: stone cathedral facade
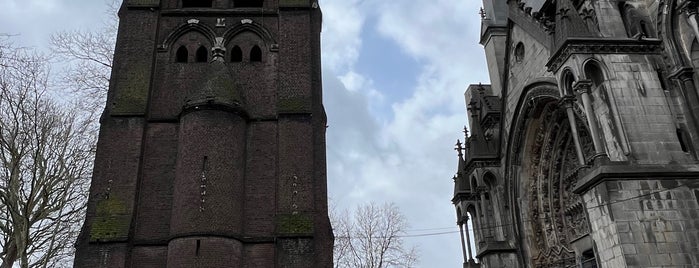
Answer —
(212, 145)
(582, 152)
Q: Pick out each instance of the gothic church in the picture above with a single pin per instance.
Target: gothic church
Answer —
(582, 152)
(211, 150)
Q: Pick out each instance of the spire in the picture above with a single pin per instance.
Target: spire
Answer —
(462, 163)
(460, 182)
(459, 148)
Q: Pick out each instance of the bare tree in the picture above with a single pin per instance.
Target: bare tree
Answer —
(88, 56)
(45, 164)
(372, 237)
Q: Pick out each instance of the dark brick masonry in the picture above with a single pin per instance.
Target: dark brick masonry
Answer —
(204, 159)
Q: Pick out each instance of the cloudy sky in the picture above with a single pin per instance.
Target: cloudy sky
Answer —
(394, 75)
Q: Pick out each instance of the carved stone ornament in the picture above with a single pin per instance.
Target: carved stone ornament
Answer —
(557, 214)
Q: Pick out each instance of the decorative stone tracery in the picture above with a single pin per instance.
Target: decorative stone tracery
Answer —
(557, 215)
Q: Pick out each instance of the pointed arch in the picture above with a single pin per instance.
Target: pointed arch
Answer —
(202, 54)
(182, 55)
(183, 29)
(636, 23)
(566, 82)
(253, 27)
(474, 182)
(490, 180)
(540, 165)
(236, 54)
(670, 25)
(594, 73)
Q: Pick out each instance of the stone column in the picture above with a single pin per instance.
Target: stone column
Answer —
(568, 104)
(584, 87)
(468, 239)
(479, 219)
(484, 210)
(463, 242)
(685, 77)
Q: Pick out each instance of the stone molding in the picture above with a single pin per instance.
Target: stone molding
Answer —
(625, 171)
(602, 46)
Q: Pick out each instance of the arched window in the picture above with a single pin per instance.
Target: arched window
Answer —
(248, 3)
(490, 180)
(197, 3)
(594, 73)
(182, 54)
(588, 259)
(683, 138)
(202, 54)
(236, 54)
(256, 54)
(568, 80)
(644, 29)
(634, 21)
(519, 52)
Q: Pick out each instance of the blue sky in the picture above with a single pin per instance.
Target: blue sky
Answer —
(394, 74)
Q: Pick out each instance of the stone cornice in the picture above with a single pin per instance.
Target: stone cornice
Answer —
(481, 163)
(602, 46)
(493, 247)
(624, 171)
(465, 196)
(490, 30)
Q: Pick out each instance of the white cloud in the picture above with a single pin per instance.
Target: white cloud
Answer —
(342, 26)
(409, 159)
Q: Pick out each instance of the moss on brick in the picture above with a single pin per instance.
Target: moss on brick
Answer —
(132, 90)
(112, 221)
(294, 224)
(294, 105)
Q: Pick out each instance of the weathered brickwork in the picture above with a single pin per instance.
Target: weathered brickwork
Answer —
(582, 152)
(212, 145)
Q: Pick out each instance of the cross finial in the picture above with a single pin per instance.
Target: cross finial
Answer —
(482, 13)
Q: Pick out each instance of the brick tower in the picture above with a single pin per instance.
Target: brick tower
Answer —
(212, 145)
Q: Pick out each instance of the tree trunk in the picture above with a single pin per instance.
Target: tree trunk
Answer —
(11, 255)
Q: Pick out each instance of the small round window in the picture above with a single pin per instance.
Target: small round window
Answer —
(519, 52)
